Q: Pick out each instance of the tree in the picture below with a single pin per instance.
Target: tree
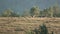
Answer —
(45, 12)
(51, 11)
(14, 14)
(56, 11)
(35, 11)
(9, 13)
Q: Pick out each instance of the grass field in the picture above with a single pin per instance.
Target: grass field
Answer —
(19, 25)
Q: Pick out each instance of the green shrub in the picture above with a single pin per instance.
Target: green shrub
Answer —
(42, 30)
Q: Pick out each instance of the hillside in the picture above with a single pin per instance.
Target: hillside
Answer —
(19, 25)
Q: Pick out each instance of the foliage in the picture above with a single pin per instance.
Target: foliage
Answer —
(36, 31)
(9, 13)
(42, 30)
(34, 11)
(52, 11)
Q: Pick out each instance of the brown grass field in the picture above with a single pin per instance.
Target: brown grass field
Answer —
(19, 25)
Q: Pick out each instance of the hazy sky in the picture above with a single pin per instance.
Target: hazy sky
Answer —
(21, 5)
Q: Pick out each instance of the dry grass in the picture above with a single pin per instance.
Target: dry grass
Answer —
(14, 25)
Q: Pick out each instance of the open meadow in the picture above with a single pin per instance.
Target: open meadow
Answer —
(20, 25)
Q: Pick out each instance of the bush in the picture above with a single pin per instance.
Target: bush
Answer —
(42, 30)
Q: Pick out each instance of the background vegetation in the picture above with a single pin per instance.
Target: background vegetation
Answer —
(53, 11)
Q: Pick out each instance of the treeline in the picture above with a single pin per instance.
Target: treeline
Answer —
(9, 13)
(35, 11)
